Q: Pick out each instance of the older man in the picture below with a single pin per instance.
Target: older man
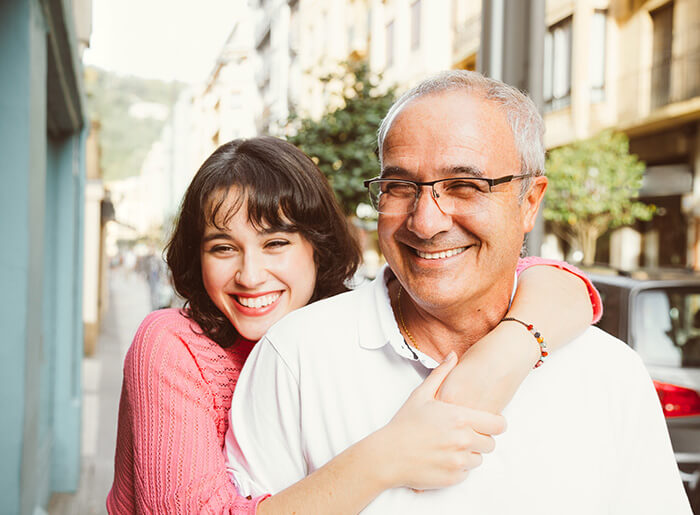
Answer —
(461, 183)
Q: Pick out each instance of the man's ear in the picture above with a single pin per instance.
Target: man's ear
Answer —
(533, 199)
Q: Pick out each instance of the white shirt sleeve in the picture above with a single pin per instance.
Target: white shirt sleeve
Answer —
(648, 480)
(263, 443)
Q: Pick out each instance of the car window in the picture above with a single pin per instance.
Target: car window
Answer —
(666, 326)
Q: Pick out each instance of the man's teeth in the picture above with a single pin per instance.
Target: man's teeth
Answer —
(259, 302)
(442, 254)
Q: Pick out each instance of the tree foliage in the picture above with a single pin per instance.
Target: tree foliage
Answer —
(592, 188)
(343, 141)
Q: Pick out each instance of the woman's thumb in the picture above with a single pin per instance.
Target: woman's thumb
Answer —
(431, 384)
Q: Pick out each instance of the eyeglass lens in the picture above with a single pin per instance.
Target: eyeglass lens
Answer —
(452, 196)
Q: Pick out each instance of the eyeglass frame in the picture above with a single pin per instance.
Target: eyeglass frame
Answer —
(490, 181)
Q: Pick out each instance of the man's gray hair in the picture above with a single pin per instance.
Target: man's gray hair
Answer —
(523, 117)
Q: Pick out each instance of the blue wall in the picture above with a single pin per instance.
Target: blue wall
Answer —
(41, 210)
(22, 145)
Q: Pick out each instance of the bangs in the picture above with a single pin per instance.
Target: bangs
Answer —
(274, 201)
(264, 213)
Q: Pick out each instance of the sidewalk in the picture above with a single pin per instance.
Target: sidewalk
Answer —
(102, 376)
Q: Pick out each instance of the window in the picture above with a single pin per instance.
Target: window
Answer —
(389, 48)
(557, 65)
(415, 25)
(662, 20)
(596, 68)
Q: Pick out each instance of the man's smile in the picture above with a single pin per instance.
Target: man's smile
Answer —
(441, 254)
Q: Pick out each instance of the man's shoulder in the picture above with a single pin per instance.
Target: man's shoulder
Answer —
(597, 353)
(323, 318)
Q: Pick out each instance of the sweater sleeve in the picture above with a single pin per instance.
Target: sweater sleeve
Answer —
(596, 302)
(169, 453)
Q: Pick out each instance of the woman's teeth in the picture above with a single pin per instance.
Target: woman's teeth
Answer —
(259, 302)
(442, 254)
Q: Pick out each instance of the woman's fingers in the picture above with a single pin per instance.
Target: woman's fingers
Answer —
(482, 421)
(478, 443)
(431, 384)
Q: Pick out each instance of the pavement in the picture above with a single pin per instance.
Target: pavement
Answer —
(129, 303)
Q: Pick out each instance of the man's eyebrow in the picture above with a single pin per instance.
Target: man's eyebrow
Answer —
(450, 171)
(463, 171)
(395, 171)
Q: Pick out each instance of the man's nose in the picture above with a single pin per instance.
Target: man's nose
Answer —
(251, 272)
(428, 219)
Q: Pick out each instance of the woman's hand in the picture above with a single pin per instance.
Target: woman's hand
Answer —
(430, 443)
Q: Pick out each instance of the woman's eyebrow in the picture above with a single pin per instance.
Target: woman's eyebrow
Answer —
(216, 236)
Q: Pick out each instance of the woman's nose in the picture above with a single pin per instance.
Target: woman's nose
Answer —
(251, 273)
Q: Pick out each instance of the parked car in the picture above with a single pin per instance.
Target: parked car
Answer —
(658, 314)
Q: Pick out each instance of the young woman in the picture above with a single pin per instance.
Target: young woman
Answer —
(259, 235)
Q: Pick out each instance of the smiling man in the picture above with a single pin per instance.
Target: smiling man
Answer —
(461, 181)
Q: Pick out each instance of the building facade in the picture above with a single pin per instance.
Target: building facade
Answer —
(629, 65)
(41, 207)
(634, 66)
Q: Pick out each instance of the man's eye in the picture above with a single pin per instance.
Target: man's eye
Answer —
(464, 187)
(399, 189)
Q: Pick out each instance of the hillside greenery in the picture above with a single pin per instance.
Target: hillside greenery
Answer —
(124, 138)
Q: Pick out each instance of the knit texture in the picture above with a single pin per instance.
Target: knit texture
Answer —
(173, 416)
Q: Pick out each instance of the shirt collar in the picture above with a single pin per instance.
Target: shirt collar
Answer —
(378, 314)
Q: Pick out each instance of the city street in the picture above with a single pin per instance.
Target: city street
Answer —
(102, 376)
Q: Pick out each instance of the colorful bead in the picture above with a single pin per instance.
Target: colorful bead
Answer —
(538, 337)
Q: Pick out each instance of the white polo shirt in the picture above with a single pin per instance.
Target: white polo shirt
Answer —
(585, 431)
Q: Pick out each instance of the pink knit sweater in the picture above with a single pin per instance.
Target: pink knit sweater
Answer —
(173, 417)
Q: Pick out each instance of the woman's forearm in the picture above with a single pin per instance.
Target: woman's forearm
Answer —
(556, 303)
(427, 444)
(346, 484)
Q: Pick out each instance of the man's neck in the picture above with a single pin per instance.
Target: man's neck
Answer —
(436, 332)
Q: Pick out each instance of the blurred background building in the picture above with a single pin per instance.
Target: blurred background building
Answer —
(628, 65)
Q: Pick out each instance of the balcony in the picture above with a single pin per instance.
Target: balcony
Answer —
(676, 80)
(649, 92)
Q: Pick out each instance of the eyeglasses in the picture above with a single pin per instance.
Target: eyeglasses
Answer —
(456, 195)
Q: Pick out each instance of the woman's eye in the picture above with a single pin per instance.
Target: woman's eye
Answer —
(275, 244)
(221, 249)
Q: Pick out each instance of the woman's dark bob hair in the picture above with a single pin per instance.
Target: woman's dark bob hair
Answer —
(286, 192)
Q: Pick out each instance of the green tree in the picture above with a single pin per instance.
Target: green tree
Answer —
(343, 141)
(592, 188)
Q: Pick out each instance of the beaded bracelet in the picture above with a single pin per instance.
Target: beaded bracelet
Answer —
(536, 334)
